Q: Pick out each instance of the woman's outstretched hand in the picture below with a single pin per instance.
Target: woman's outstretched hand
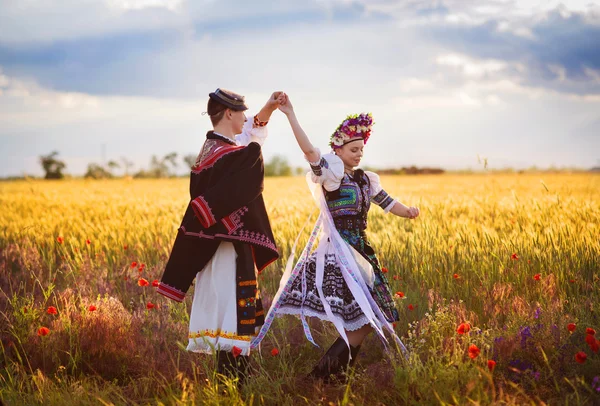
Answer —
(413, 212)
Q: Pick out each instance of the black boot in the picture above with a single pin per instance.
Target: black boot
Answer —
(233, 367)
(335, 361)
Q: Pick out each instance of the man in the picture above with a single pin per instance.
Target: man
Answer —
(225, 238)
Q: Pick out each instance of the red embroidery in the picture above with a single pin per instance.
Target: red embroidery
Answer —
(170, 292)
(203, 212)
(213, 157)
(233, 221)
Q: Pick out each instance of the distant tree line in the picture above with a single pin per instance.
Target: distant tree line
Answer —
(160, 167)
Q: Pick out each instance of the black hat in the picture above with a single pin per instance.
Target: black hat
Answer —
(229, 99)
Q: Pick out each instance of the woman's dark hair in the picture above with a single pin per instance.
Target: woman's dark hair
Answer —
(216, 111)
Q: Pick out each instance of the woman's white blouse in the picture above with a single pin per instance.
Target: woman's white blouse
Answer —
(251, 134)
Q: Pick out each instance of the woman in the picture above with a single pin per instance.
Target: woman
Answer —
(344, 269)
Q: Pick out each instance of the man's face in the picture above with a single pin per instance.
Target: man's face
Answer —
(238, 119)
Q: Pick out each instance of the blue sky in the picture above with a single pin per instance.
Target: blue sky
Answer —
(517, 82)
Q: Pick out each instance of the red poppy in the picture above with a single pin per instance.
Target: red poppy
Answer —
(141, 268)
(592, 342)
(514, 256)
(125, 247)
(455, 276)
(43, 331)
(473, 351)
(60, 240)
(590, 331)
(571, 327)
(143, 282)
(92, 308)
(155, 283)
(150, 305)
(51, 310)
(396, 277)
(572, 281)
(399, 294)
(125, 277)
(25, 310)
(580, 357)
(236, 351)
(463, 328)
(529, 261)
(384, 270)
(274, 352)
(411, 307)
(133, 264)
(491, 365)
(394, 325)
(537, 276)
(88, 242)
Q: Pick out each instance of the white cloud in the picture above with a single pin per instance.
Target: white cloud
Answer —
(171, 5)
(471, 67)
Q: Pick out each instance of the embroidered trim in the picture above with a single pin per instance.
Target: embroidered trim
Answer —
(214, 157)
(219, 334)
(249, 321)
(247, 283)
(248, 302)
(203, 212)
(257, 123)
(252, 237)
(382, 199)
(248, 236)
(170, 292)
(259, 313)
(233, 221)
(317, 169)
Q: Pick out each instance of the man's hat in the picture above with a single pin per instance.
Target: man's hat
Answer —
(229, 99)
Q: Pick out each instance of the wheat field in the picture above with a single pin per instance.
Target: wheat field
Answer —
(508, 263)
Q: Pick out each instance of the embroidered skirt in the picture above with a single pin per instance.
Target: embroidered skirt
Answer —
(340, 298)
(213, 319)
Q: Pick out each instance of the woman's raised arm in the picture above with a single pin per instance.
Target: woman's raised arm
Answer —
(312, 154)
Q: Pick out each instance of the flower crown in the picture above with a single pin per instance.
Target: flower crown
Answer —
(354, 126)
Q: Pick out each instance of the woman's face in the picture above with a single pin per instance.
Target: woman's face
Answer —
(351, 153)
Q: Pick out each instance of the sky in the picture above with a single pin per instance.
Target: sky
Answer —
(447, 81)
